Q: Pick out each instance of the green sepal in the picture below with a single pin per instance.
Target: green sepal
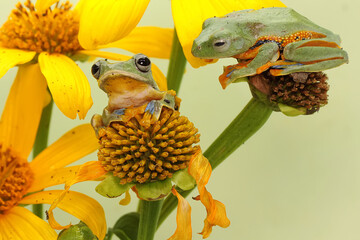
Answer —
(154, 190)
(242, 79)
(291, 111)
(183, 180)
(79, 231)
(110, 187)
(126, 227)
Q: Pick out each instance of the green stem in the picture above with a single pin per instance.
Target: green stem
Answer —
(246, 124)
(177, 64)
(149, 215)
(40, 144)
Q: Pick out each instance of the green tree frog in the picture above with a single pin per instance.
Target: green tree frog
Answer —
(278, 39)
(128, 84)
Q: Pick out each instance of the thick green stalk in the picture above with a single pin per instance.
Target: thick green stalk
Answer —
(177, 64)
(149, 215)
(246, 124)
(40, 144)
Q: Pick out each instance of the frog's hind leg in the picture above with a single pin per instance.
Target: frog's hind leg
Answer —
(309, 56)
(264, 54)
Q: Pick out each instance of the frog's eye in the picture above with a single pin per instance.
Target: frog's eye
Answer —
(95, 70)
(221, 45)
(143, 63)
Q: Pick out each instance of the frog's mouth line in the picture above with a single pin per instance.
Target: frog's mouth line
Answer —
(119, 74)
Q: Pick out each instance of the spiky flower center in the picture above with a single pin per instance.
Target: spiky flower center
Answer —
(54, 30)
(303, 89)
(142, 151)
(15, 178)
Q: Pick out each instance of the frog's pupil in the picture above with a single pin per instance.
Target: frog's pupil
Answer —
(219, 44)
(95, 69)
(144, 61)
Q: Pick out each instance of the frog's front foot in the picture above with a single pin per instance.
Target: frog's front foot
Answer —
(154, 107)
(235, 75)
(116, 115)
(97, 123)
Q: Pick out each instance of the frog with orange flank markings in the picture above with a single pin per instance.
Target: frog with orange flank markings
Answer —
(278, 39)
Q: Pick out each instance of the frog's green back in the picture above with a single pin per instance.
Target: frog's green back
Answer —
(275, 21)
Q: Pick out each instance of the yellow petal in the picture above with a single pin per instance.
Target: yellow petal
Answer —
(159, 77)
(77, 204)
(22, 112)
(126, 200)
(67, 83)
(42, 5)
(20, 224)
(73, 145)
(53, 178)
(107, 55)
(91, 170)
(107, 21)
(151, 41)
(183, 219)
(189, 16)
(11, 57)
(200, 170)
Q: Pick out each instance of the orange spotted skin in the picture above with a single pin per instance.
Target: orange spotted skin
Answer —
(282, 41)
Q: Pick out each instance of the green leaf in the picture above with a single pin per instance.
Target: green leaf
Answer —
(126, 228)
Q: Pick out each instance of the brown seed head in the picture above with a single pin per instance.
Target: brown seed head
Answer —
(143, 150)
(308, 90)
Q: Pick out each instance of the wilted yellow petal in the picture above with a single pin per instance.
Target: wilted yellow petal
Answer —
(88, 171)
(73, 145)
(106, 21)
(19, 223)
(151, 41)
(126, 200)
(200, 170)
(11, 57)
(52, 178)
(77, 204)
(67, 83)
(183, 219)
(189, 16)
(42, 5)
(22, 112)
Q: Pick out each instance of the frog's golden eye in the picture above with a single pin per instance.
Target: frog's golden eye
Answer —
(221, 45)
(95, 70)
(143, 63)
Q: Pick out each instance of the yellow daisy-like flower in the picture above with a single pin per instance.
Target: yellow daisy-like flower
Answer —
(189, 16)
(146, 155)
(21, 181)
(56, 37)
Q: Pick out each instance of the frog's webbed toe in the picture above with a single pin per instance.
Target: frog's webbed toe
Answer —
(97, 123)
(154, 107)
(109, 117)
